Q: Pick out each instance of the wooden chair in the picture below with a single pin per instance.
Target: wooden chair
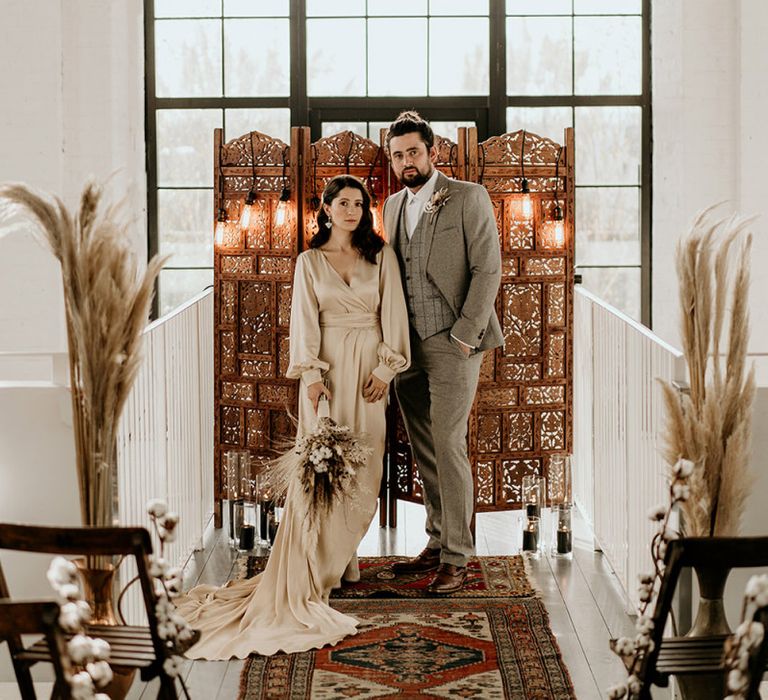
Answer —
(695, 656)
(759, 660)
(131, 647)
(37, 617)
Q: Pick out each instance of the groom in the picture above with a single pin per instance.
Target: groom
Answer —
(444, 233)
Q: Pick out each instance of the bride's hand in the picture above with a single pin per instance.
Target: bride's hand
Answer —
(315, 391)
(374, 389)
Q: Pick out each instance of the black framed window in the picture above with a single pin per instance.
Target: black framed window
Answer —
(500, 65)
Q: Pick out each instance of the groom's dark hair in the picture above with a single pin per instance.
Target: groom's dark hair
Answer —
(409, 123)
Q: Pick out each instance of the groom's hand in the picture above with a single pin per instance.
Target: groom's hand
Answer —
(315, 391)
(374, 389)
(466, 349)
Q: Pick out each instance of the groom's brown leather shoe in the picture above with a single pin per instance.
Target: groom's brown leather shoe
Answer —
(448, 579)
(428, 560)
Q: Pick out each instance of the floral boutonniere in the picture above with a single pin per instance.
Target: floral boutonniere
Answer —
(436, 201)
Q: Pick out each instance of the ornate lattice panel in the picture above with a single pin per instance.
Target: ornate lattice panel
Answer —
(253, 276)
(345, 152)
(522, 413)
(253, 272)
(523, 410)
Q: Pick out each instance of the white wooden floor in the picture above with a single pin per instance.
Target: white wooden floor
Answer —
(580, 594)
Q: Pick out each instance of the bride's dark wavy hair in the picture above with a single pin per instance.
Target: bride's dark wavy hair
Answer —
(364, 239)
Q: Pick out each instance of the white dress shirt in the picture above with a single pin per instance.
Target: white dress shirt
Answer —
(414, 206)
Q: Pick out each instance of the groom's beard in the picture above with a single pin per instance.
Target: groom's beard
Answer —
(416, 178)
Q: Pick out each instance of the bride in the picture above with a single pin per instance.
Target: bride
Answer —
(348, 339)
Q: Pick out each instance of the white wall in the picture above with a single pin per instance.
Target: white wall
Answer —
(74, 74)
(72, 87)
(710, 102)
(710, 109)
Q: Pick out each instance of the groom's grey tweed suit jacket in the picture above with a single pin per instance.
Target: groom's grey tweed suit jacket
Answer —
(463, 258)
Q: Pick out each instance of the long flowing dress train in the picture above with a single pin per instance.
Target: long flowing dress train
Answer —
(340, 333)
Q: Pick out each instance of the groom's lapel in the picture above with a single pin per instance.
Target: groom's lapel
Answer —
(431, 222)
(396, 213)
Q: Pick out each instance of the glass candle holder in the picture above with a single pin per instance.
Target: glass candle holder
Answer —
(234, 494)
(560, 479)
(562, 530)
(236, 522)
(232, 474)
(531, 496)
(531, 531)
(244, 474)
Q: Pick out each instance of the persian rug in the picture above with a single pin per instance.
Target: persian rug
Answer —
(424, 648)
(487, 577)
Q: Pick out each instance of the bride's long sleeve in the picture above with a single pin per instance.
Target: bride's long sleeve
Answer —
(394, 350)
(304, 343)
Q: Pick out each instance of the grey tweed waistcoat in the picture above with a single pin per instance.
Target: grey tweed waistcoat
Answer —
(428, 311)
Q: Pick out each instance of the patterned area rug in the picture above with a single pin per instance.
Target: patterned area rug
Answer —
(425, 648)
(487, 577)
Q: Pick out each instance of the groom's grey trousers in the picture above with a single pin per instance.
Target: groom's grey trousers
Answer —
(436, 395)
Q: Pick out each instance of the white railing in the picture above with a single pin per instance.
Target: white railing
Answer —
(618, 417)
(165, 443)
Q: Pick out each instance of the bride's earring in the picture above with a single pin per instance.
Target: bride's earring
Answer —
(328, 223)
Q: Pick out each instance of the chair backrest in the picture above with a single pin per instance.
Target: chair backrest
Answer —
(713, 553)
(38, 617)
(94, 541)
(758, 660)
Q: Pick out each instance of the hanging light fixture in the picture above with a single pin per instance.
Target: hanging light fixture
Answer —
(221, 216)
(375, 214)
(526, 203)
(553, 230)
(285, 196)
(314, 202)
(250, 199)
(221, 225)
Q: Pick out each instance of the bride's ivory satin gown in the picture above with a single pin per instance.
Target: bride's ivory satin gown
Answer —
(340, 333)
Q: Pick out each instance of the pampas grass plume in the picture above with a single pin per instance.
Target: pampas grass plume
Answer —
(107, 301)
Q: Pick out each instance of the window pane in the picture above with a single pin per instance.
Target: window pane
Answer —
(538, 7)
(608, 145)
(331, 128)
(261, 8)
(538, 56)
(544, 121)
(335, 57)
(185, 223)
(600, 45)
(185, 146)
(187, 8)
(402, 71)
(458, 56)
(458, 7)
(449, 130)
(374, 129)
(398, 8)
(188, 57)
(178, 286)
(620, 287)
(337, 8)
(608, 226)
(272, 122)
(607, 7)
(256, 57)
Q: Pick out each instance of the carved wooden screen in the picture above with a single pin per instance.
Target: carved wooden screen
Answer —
(404, 481)
(253, 277)
(522, 414)
(253, 274)
(523, 410)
